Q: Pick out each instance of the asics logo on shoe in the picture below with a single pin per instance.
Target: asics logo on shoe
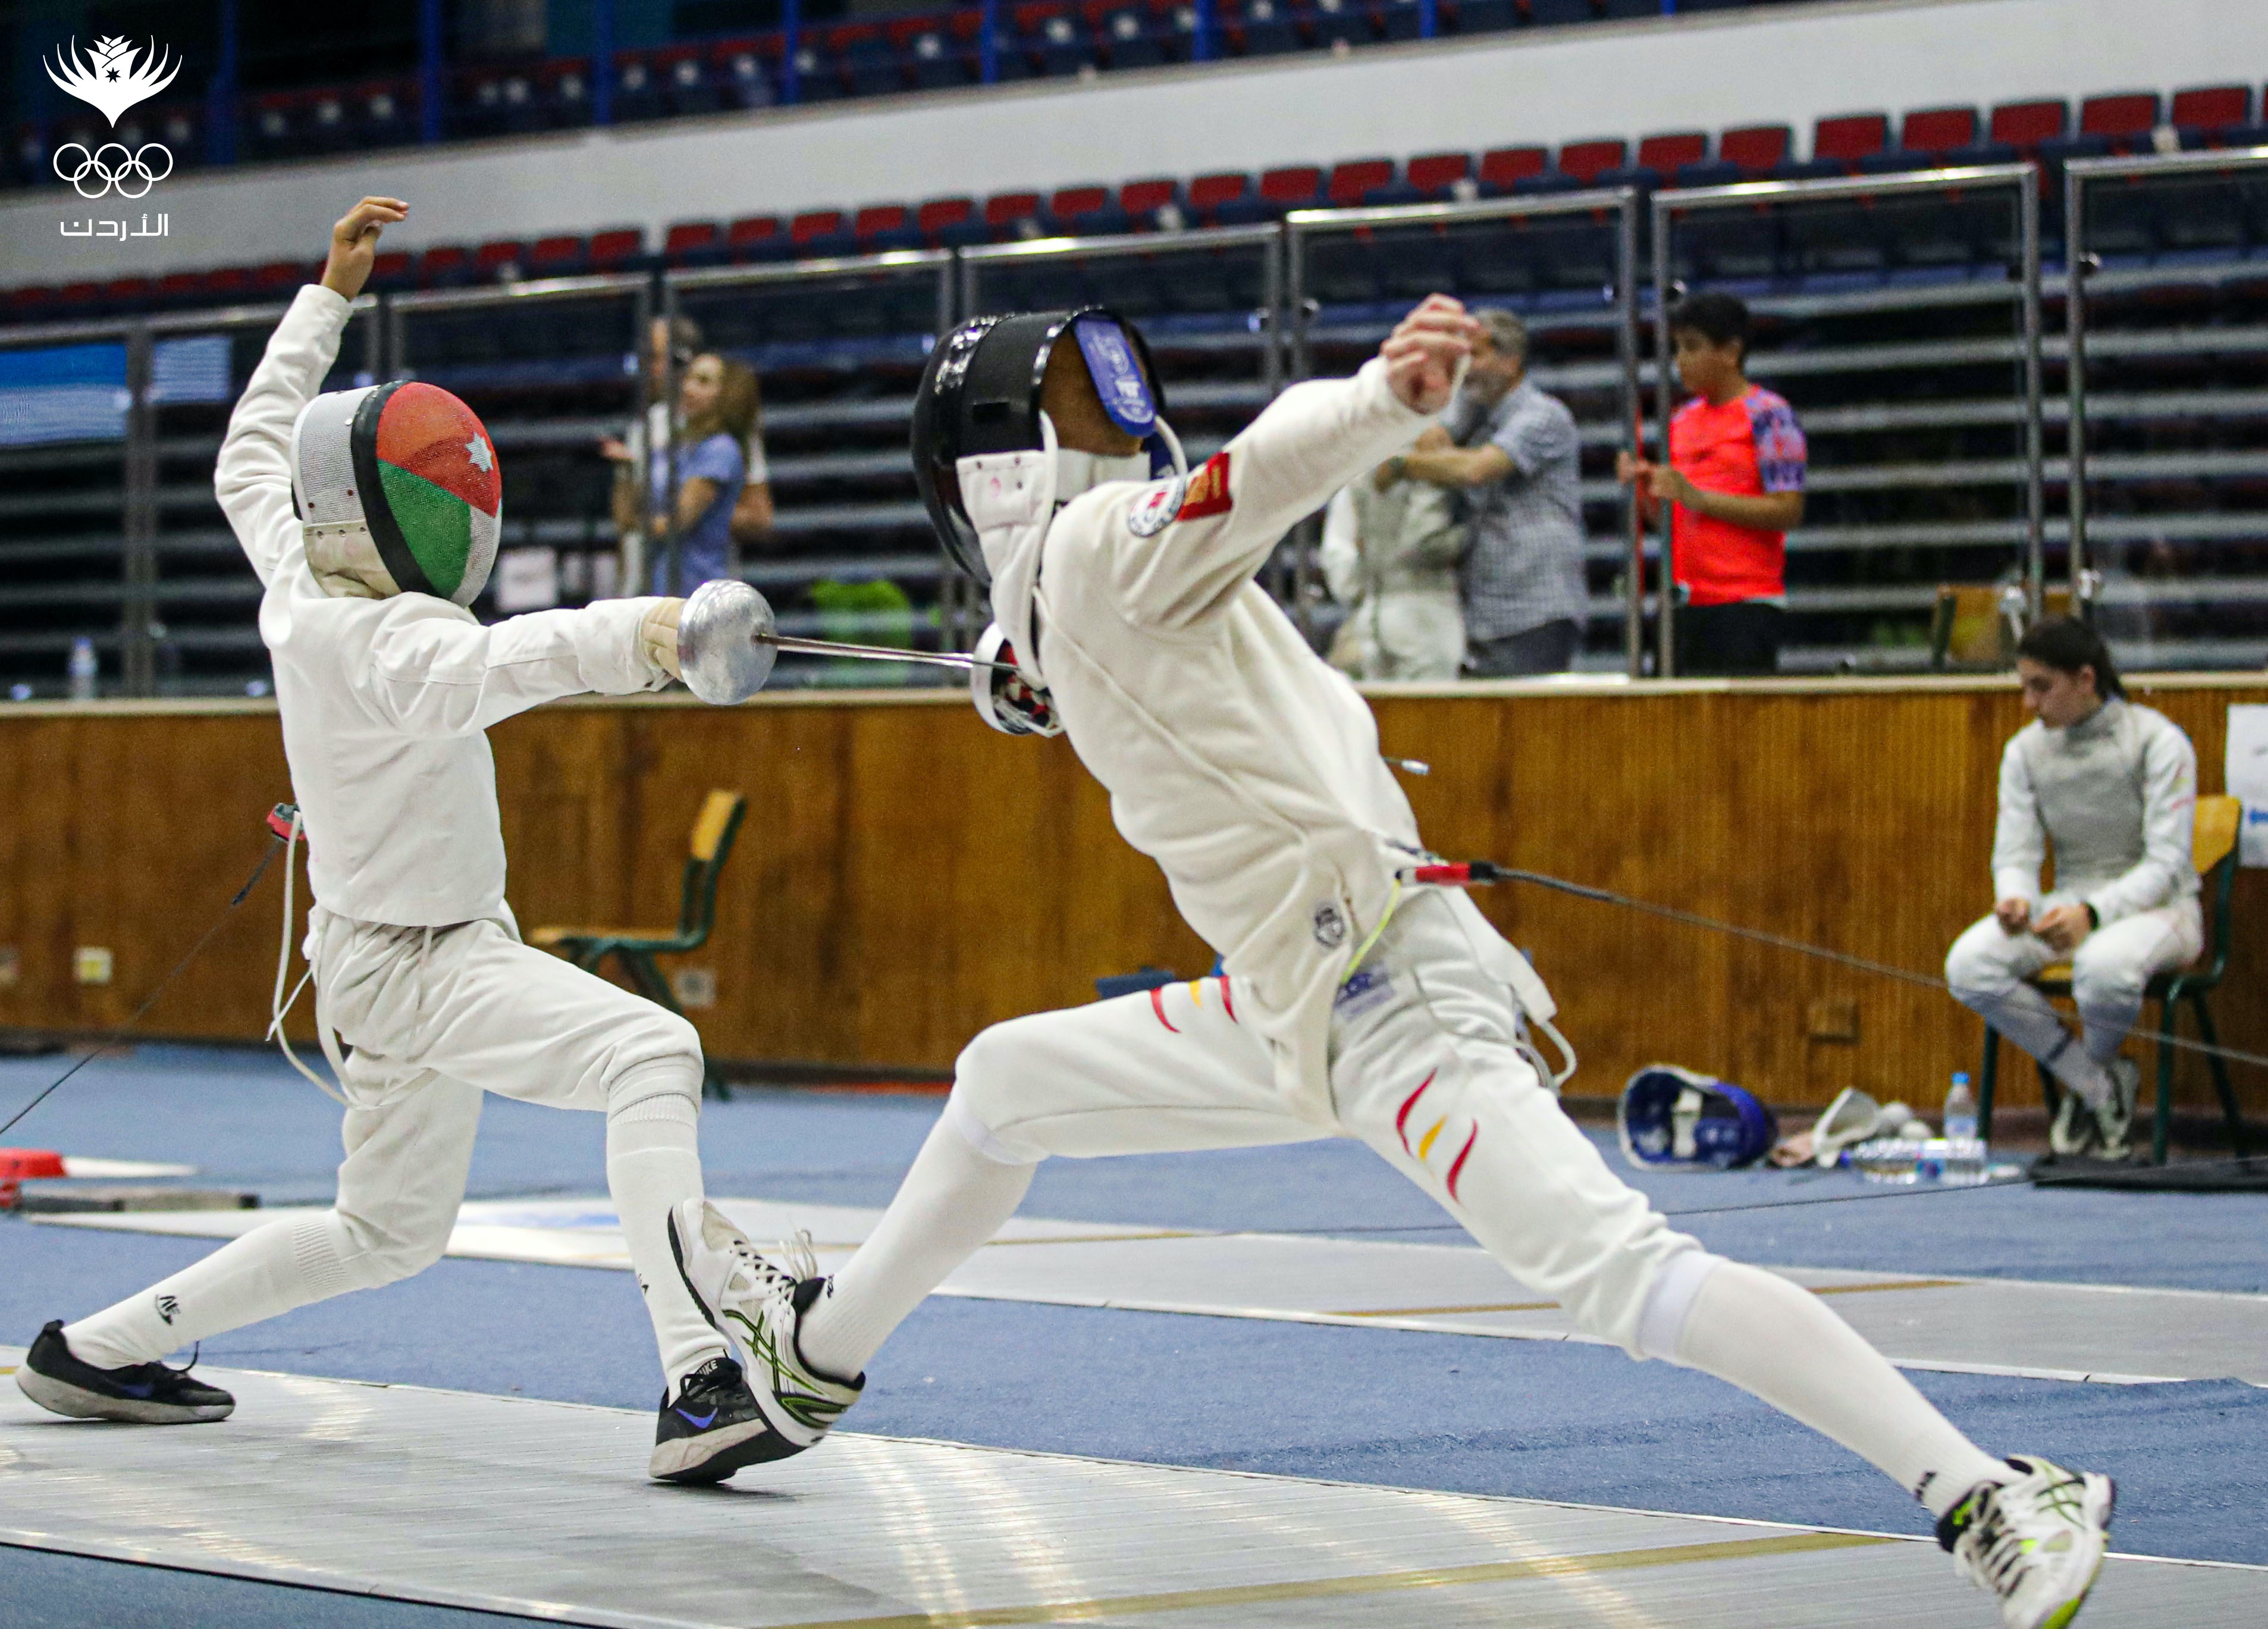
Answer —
(167, 1307)
(699, 1422)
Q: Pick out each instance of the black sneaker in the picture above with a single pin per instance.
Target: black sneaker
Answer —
(145, 1393)
(711, 1429)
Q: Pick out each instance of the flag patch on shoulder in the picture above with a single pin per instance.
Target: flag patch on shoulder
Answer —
(1208, 489)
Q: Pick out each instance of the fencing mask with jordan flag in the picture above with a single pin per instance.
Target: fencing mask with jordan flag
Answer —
(399, 492)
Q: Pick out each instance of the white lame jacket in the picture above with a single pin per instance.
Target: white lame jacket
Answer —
(384, 702)
(1233, 755)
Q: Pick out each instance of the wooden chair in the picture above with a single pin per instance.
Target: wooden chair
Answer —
(635, 948)
(1972, 629)
(2212, 850)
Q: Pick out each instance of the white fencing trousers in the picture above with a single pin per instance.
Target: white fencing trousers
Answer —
(435, 1017)
(1987, 967)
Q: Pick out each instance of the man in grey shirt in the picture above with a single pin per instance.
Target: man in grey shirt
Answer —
(1512, 452)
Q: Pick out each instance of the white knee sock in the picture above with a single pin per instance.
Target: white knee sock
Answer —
(268, 1272)
(1780, 1343)
(653, 1162)
(951, 1203)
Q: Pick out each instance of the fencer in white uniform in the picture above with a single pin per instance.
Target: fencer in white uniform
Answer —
(385, 695)
(2112, 786)
(1352, 1003)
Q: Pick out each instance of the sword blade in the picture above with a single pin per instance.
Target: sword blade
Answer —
(878, 653)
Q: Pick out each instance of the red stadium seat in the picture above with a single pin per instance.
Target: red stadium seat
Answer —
(392, 268)
(751, 234)
(1848, 137)
(1147, 197)
(690, 237)
(1209, 192)
(1438, 171)
(176, 285)
(2025, 125)
(612, 250)
(1003, 210)
(280, 274)
(1357, 179)
(1938, 129)
(815, 223)
(557, 255)
(1757, 148)
(34, 299)
(1586, 161)
(139, 290)
(2128, 115)
(1505, 167)
(443, 260)
(491, 258)
(1069, 203)
(2208, 110)
(939, 213)
(1292, 187)
(876, 219)
(229, 283)
(1665, 155)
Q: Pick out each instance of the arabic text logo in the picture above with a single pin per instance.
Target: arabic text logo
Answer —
(128, 172)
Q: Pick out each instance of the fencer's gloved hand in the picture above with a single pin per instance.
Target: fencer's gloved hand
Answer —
(658, 636)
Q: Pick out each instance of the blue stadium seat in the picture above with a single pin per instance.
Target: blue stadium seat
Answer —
(638, 91)
(1339, 22)
(1268, 28)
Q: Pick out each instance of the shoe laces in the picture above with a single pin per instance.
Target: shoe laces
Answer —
(772, 1278)
(2010, 1526)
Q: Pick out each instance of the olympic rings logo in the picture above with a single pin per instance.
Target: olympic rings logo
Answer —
(130, 168)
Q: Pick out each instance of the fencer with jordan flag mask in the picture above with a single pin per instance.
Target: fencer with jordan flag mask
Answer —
(386, 685)
(1353, 1004)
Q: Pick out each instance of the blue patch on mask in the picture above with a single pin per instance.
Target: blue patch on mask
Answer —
(1117, 374)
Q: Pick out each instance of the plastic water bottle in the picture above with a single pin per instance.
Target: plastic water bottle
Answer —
(1959, 1111)
(83, 669)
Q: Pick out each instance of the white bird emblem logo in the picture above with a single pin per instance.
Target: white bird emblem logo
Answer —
(113, 75)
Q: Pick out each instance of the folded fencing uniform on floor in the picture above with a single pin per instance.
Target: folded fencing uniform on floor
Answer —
(385, 684)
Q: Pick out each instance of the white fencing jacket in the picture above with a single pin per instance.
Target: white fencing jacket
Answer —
(383, 700)
(1233, 755)
(2116, 794)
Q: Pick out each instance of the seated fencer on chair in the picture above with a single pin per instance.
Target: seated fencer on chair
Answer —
(1354, 1003)
(2112, 786)
(386, 684)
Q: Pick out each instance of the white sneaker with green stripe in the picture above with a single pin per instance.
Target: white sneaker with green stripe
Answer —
(757, 1304)
(2037, 1541)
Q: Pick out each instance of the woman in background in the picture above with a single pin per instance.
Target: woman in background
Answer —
(716, 414)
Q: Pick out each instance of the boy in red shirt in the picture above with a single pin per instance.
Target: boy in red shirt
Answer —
(1735, 473)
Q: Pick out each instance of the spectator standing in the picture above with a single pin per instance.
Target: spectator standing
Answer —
(1736, 474)
(1513, 452)
(2113, 786)
(716, 411)
(679, 341)
(1391, 549)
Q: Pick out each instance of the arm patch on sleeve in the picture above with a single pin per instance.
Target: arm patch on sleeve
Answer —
(1208, 489)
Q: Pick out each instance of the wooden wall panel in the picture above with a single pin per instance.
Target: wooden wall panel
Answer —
(906, 875)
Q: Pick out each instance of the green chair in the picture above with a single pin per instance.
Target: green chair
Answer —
(697, 914)
(2212, 850)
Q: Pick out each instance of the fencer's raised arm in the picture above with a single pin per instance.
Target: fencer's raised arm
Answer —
(253, 479)
(1310, 441)
(432, 670)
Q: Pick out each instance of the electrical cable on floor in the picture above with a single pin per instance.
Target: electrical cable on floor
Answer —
(121, 1032)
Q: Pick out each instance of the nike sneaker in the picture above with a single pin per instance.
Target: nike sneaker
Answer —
(758, 1304)
(142, 1394)
(2036, 1542)
(710, 1429)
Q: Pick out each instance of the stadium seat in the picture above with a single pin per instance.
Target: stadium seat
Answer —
(1353, 182)
(273, 131)
(499, 258)
(952, 223)
(1509, 169)
(1436, 175)
(869, 63)
(1156, 203)
(686, 81)
(2026, 125)
(694, 243)
(1012, 214)
(1404, 19)
(881, 226)
(230, 283)
(1084, 212)
(757, 237)
(1053, 35)
(1552, 14)
(1586, 161)
(821, 231)
(2212, 115)
(1757, 149)
(327, 128)
(1266, 28)
(2126, 121)
(1131, 38)
(1666, 155)
(739, 69)
(123, 294)
(175, 288)
(1848, 140)
(444, 265)
(564, 88)
(1929, 135)
(619, 248)
(384, 116)
(931, 54)
(1209, 194)
(393, 269)
(562, 255)
(638, 93)
(1292, 187)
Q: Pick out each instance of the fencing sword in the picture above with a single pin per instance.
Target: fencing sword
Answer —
(728, 640)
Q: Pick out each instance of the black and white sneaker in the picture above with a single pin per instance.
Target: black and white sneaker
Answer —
(711, 1429)
(2114, 1121)
(142, 1394)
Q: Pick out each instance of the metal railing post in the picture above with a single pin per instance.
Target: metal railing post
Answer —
(673, 582)
(2074, 380)
(1665, 402)
(2028, 227)
(138, 609)
(1633, 411)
